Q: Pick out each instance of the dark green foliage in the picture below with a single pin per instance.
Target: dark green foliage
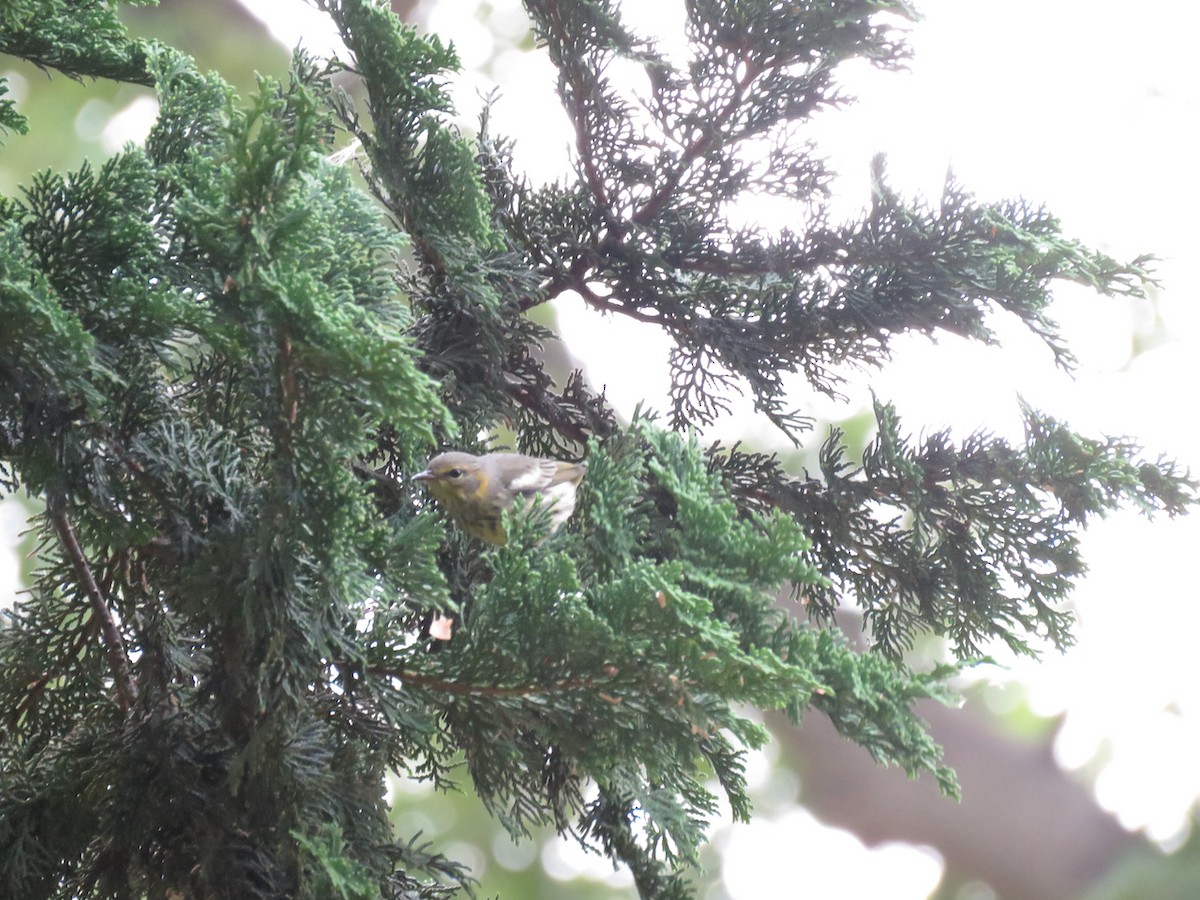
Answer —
(647, 215)
(83, 38)
(209, 377)
(976, 542)
(10, 119)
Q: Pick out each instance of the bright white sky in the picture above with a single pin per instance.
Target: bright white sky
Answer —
(1088, 106)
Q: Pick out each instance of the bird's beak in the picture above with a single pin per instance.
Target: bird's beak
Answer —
(424, 476)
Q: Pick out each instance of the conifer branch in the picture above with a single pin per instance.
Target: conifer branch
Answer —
(698, 147)
(577, 281)
(538, 403)
(38, 685)
(286, 369)
(114, 644)
(578, 110)
(493, 690)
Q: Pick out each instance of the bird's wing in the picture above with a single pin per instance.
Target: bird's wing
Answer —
(536, 478)
(553, 483)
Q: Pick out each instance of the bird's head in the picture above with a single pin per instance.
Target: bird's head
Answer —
(454, 477)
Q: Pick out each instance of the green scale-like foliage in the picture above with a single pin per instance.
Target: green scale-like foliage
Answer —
(216, 376)
(82, 39)
(199, 338)
(625, 651)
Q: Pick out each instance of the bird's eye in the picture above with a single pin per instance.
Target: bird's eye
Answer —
(455, 473)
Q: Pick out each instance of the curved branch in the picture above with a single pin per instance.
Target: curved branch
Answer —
(697, 148)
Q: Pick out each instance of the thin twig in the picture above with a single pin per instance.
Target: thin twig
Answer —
(579, 114)
(698, 147)
(594, 300)
(489, 690)
(114, 644)
(534, 400)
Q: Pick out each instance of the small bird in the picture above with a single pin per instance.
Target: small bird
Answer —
(476, 490)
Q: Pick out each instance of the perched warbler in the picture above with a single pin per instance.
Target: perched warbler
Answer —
(476, 490)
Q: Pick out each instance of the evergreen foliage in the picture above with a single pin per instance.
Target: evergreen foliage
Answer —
(217, 374)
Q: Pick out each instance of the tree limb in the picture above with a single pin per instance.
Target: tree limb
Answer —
(114, 644)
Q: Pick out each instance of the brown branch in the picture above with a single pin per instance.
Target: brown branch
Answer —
(583, 145)
(286, 366)
(578, 113)
(1024, 827)
(114, 644)
(594, 300)
(697, 147)
(531, 398)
